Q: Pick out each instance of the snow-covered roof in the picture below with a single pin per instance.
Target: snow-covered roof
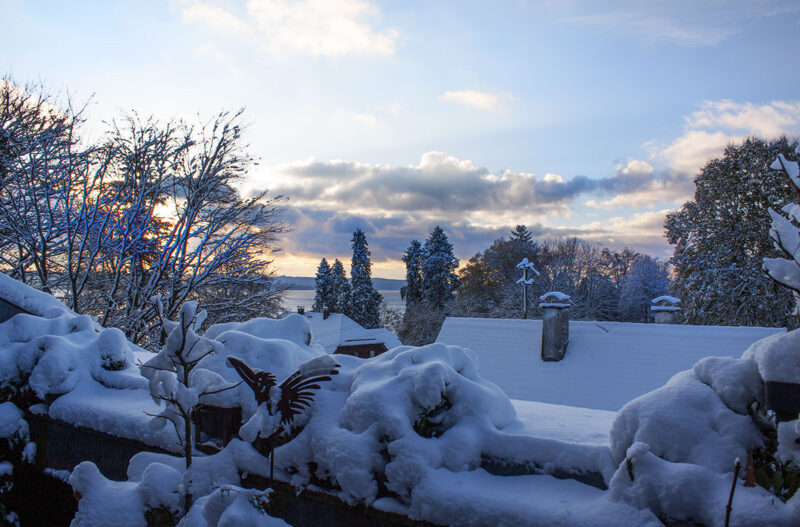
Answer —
(666, 298)
(340, 330)
(606, 364)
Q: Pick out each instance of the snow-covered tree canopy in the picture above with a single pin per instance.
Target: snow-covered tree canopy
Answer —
(439, 280)
(412, 291)
(365, 302)
(786, 235)
(722, 235)
(322, 287)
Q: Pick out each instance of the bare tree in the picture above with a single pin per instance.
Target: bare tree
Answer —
(152, 210)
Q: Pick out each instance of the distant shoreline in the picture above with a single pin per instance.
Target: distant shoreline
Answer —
(306, 283)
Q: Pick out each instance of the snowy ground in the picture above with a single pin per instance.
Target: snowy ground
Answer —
(407, 431)
(562, 423)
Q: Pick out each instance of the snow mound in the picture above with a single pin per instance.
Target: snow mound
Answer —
(685, 421)
(396, 417)
(52, 355)
(29, 299)
(277, 346)
(124, 503)
(231, 506)
(13, 426)
(688, 492)
(777, 357)
(676, 446)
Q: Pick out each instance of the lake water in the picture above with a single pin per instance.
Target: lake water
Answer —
(305, 297)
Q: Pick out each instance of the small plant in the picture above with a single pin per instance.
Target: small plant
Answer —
(782, 479)
(429, 421)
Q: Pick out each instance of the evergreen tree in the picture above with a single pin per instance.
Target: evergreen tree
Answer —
(412, 291)
(439, 280)
(722, 235)
(365, 302)
(522, 235)
(339, 288)
(322, 287)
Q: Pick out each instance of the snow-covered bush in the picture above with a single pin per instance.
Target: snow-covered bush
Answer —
(125, 503)
(156, 486)
(381, 425)
(676, 446)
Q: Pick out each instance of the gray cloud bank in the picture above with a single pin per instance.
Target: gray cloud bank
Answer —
(328, 200)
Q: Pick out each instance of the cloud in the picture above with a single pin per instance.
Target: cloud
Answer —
(694, 25)
(439, 184)
(707, 132)
(320, 28)
(638, 184)
(394, 204)
(215, 17)
(656, 28)
(365, 118)
(475, 99)
(718, 123)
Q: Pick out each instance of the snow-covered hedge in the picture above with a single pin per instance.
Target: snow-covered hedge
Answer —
(676, 446)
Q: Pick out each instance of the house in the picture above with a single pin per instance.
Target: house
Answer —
(606, 364)
(338, 333)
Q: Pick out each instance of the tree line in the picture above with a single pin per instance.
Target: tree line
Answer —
(150, 209)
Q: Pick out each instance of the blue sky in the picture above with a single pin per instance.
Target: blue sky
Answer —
(575, 118)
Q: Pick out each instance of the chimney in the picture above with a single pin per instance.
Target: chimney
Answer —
(665, 310)
(326, 312)
(555, 325)
(301, 310)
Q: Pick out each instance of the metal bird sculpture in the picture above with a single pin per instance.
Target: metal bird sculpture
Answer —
(296, 394)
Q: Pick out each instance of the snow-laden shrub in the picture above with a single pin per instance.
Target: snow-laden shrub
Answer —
(676, 446)
(390, 420)
(687, 421)
(125, 503)
(232, 506)
(51, 356)
(156, 486)
(684, 492)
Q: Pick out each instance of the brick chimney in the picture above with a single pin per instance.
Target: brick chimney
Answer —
(555, 325)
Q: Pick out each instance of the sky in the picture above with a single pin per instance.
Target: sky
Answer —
(575, 118)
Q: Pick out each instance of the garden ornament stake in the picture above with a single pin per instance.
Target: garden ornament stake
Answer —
(525, 281)
(296, 393)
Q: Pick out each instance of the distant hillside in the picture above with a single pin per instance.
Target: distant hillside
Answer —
(307, 282)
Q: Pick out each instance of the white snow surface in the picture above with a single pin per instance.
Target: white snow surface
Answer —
(682, 440)
(422, 420)
(231, 506)
(777, 357)
(562, 423)
(684, 491)
(666, 298)
(606, 364)
(555, 295)
(123, 503)
(33, 301)
(12, 422)
(478, 498)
